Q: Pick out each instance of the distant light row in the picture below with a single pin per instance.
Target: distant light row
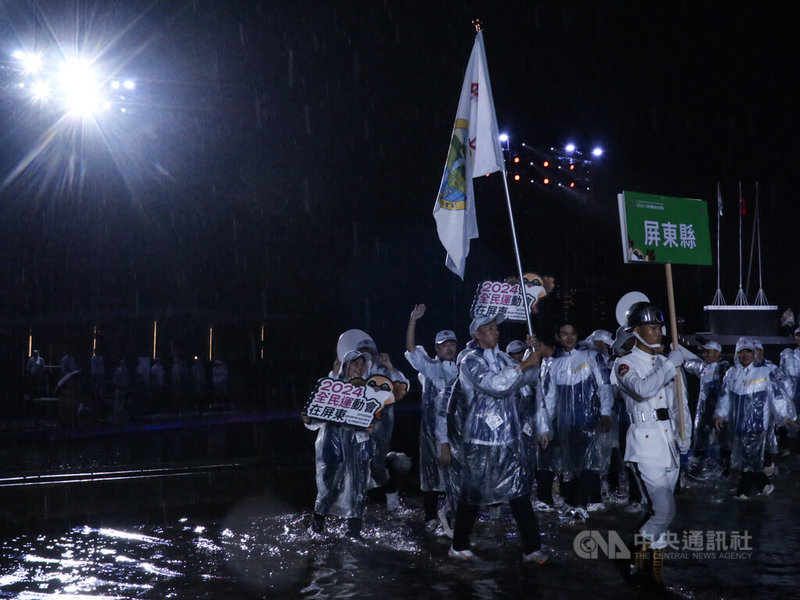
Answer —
(71, 84)
(570, 148)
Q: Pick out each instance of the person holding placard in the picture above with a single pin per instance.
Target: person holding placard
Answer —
(343, 454)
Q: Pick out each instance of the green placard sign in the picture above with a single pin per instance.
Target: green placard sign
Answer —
(663, 229)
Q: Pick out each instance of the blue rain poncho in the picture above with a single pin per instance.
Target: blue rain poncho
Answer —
(343, 454)
(711, 375)
(575, 399)
(435, 375)
(492, 457)
(751, 397)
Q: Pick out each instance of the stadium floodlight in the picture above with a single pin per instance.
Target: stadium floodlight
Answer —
(40, 90)
(503, 137)
(598, 151)
(570, 147)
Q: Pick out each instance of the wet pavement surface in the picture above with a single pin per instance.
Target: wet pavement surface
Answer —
(259, 546)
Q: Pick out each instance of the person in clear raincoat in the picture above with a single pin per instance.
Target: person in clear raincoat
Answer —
(382, 475)
(751, 396)
(601, 342)
(435, 375)
(343, 453)
(453, 409)
(711, 371)
(790, 365)
(579, 403)
(526, 408)
(548, 461)
(492, 462)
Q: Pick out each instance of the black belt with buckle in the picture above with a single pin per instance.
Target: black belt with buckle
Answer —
(662, 414)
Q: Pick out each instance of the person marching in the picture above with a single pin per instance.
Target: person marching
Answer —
(382, 474)
(435, 375)
(343, 454)
(493, 463)
(579, 404)
(645, 378)
(751, 397)
(711, 371)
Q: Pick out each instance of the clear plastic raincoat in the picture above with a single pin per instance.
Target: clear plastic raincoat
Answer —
(711, 375)
(492, 456)
(343, 454)
(751, 396)
(435, 375)
(575, 399)
(382, 438)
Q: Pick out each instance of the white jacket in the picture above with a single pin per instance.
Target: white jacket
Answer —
(647, 382)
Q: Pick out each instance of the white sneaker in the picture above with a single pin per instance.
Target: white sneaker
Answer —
(392, 501)
(768, 489)
(579, 513)
(446, 528)
(596, 507)
(465, 555)
(538, 557)
(542, 507)
(742, 497)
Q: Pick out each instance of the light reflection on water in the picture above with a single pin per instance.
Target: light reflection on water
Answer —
(261, 549)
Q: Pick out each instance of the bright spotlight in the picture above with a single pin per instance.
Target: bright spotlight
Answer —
(41, 91)
(18, 54)
(79, 87)
(598, 151)
(115, 85)
(570, 147)
(503, 136)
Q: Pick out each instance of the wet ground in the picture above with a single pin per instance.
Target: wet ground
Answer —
(260, 547)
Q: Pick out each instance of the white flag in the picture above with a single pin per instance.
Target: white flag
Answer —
(474, 152)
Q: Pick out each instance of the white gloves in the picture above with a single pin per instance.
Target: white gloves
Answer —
(676, 357)
(684, 445)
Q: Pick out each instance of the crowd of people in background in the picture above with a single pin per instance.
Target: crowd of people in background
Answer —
(129, 390)
(559, 423)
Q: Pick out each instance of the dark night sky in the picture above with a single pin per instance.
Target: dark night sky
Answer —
(282, 158)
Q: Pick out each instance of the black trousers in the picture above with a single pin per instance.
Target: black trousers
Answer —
(751, 480)
(523, 514)
(581, 491)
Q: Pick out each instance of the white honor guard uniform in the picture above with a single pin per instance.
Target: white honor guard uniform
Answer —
(653, 445)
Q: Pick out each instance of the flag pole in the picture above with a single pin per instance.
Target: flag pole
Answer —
(719, 299)
(516, 251)
(741, 299)
(673, 326)
(478, 27)
(761, 297)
